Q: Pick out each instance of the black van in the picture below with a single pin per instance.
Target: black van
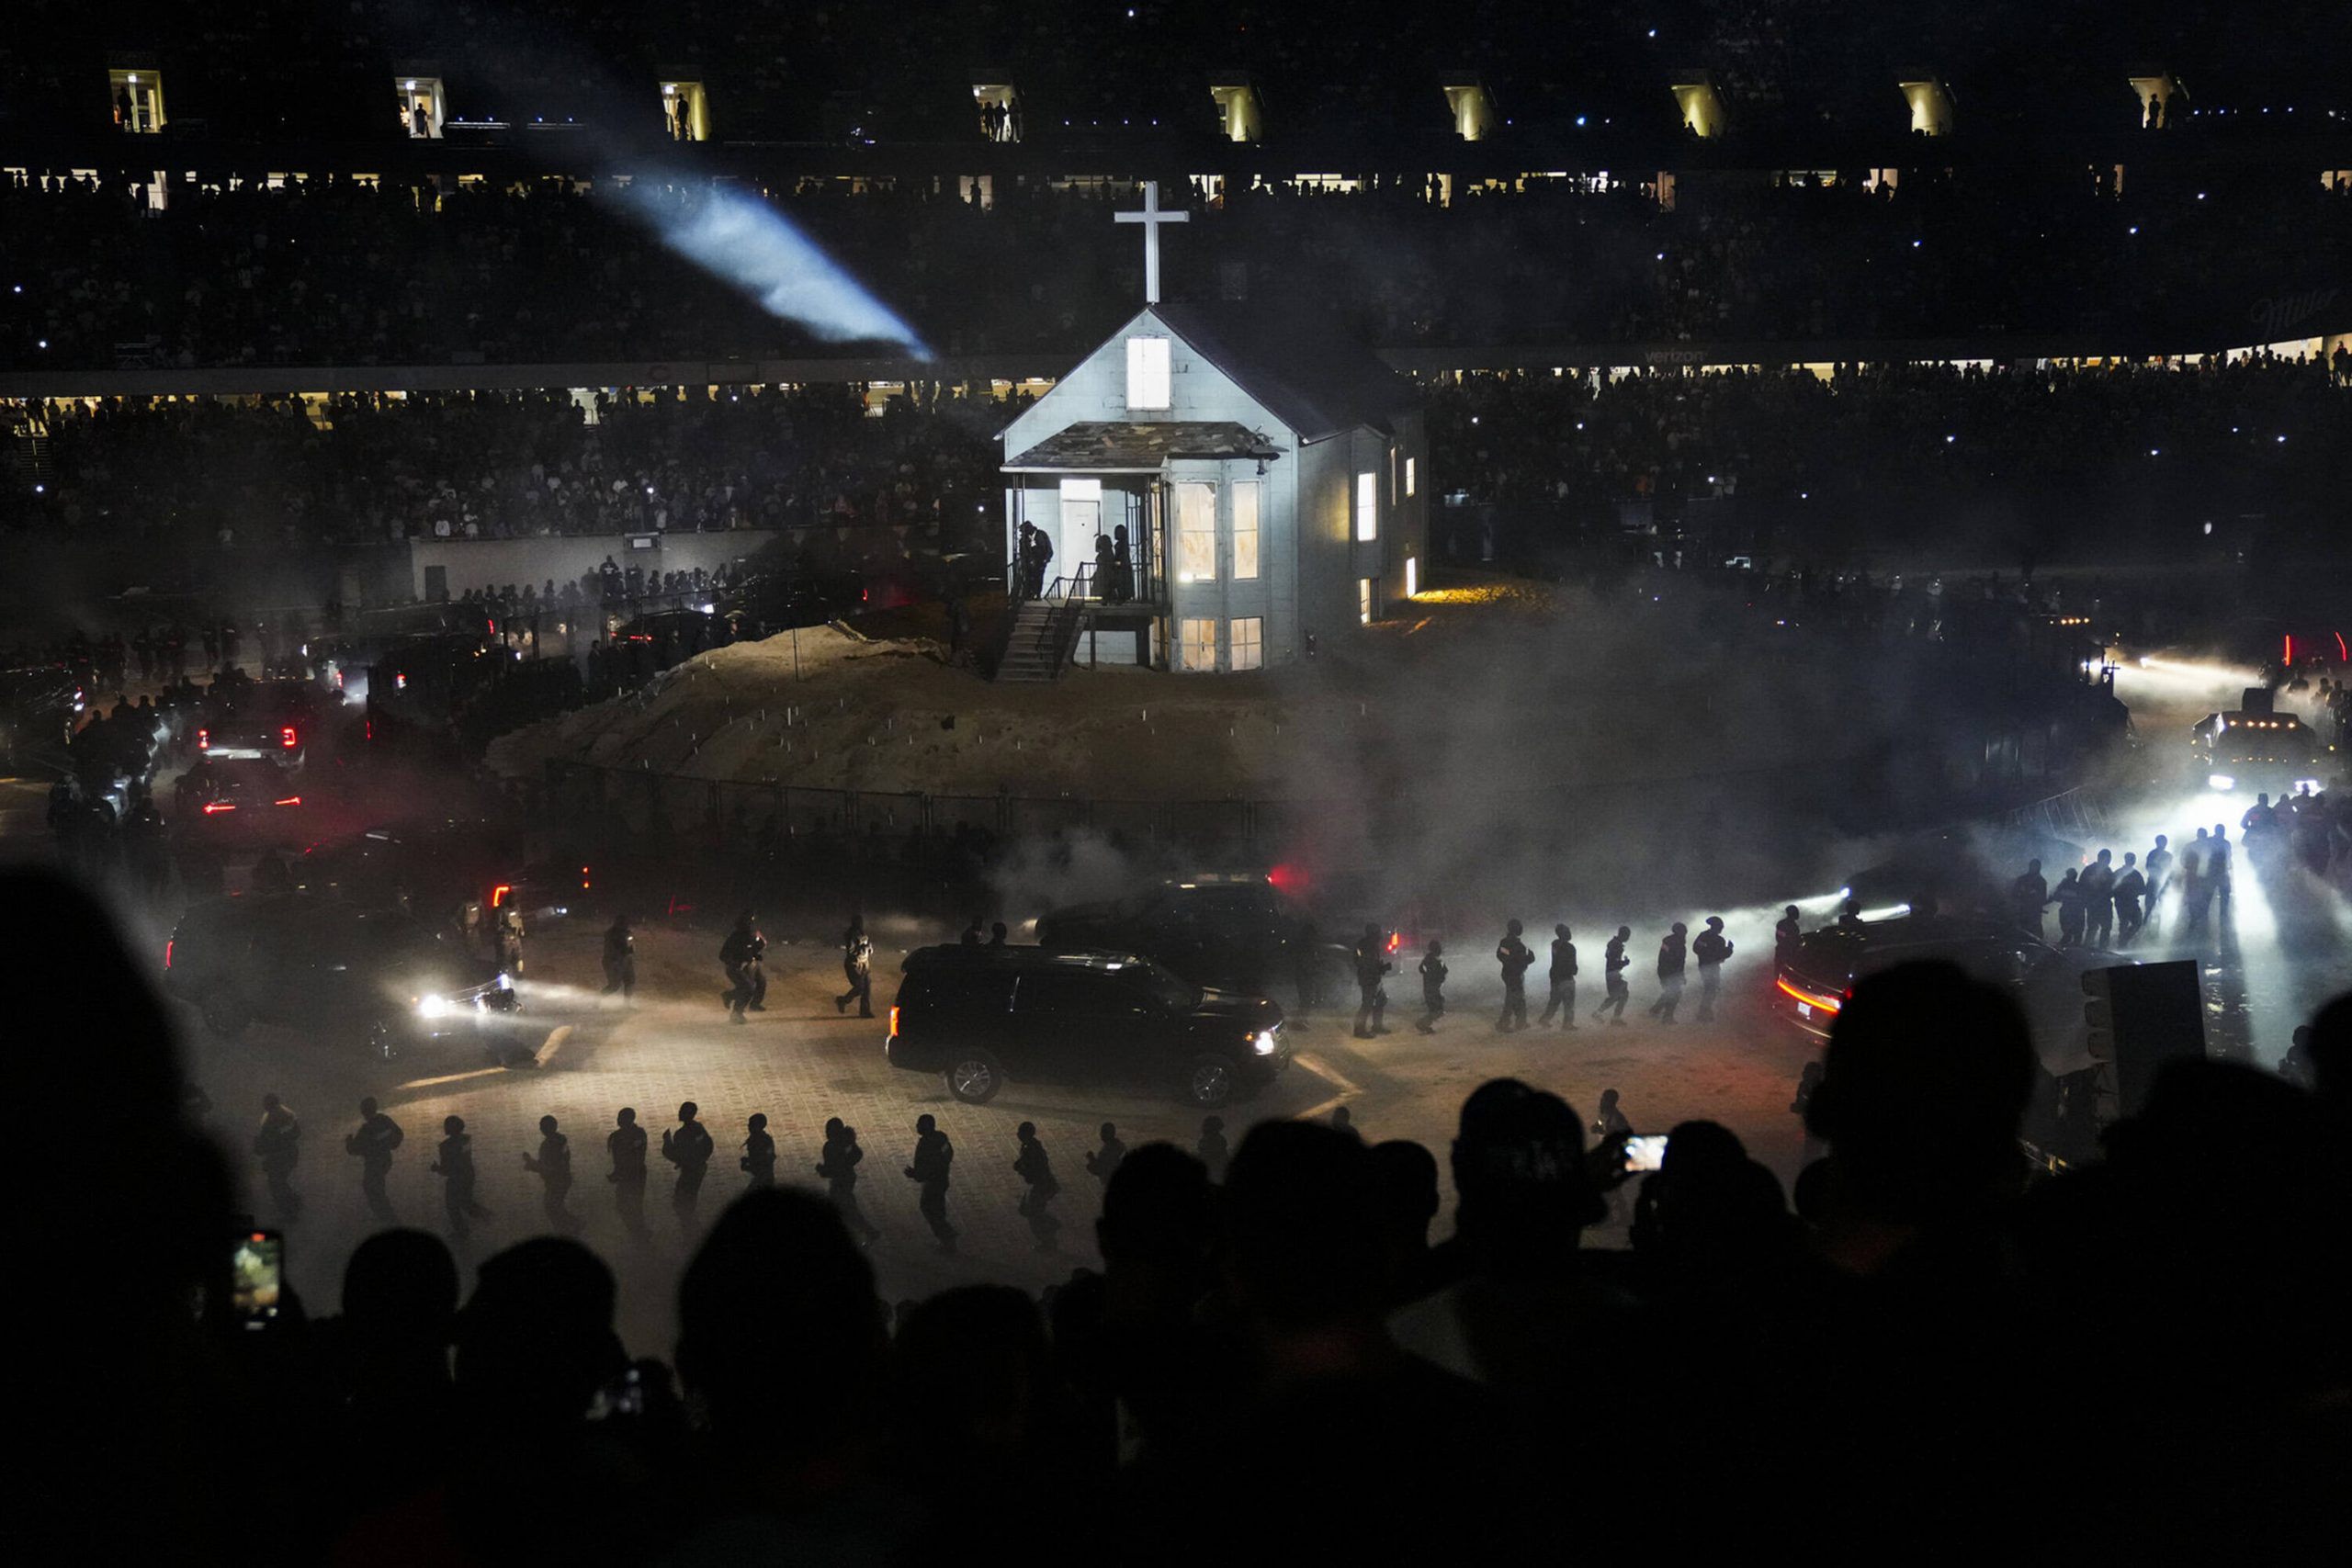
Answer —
(983, 1015)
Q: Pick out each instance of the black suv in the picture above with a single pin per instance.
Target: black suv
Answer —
(1235, 932)
(983, 1015)
(374, 978)
(1810, 988)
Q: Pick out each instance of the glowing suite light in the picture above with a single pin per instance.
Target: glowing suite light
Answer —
(757, 248)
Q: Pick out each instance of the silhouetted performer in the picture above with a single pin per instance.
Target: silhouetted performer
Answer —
(455, 1166)
(1432, 968)
(997, 933)
(687, 1146)
(758, 1154)
(2097, 887)
(857, 967)
(934, 1154)
(2028, 895)
(1613, 965)
(625, 1144)
(552, 1165)
(1671, 953)
(1516, 959)
(740, 956)
(279, 1143)
(372, 1144)
(1371, 997)
(1037, 1173)
(1212, 1149)
(837, 1168)
(1787, 933)
(2217, 868)
(2128, 886)
(1849, 915)
(1104, 1163)
(972, 933)
(2158, 868)
(1563, 973)
(1711, 948)
(2068, 897)
(2196, 887)
(620, 958)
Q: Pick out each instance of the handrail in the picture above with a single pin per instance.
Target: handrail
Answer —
(1059, 636)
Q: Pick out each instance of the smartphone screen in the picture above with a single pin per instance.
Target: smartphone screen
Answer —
(256, 1276)
(1646, 1152)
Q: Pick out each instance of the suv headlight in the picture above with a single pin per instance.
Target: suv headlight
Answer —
(433, 1007)
(2220, 782)
(1263, 1042)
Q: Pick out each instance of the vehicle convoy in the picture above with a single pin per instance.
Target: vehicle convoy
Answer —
(272, 721)
(376, 979)
(982, 1017)
(2255, 749)
(457, 868)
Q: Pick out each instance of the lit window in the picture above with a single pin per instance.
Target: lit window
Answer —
(1196, 644)
(1146, 373)
(1367, 507)
(1410, 479)
(1248, 639)
(1365, 589)
(137, 100)
(686, 111)
(1247, 496)
(420, 104)
(1195, 533)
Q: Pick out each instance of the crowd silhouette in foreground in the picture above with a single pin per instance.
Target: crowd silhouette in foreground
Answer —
(1925, 1352)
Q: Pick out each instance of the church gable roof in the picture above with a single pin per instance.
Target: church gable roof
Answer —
(1139, 447)
(1314, 378)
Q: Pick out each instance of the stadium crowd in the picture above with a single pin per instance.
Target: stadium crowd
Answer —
(1279, 1356)
(1977, 432)
(372, 468)
(327, 271)
(2181, 443)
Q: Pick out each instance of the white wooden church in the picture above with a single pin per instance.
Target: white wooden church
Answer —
(1271, 481)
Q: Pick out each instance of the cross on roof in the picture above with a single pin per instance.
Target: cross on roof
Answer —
(1151, 218)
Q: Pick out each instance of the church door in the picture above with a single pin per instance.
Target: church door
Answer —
(1082, 521)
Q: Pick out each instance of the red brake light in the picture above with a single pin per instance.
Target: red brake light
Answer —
(214, 808)
(1826, 1004)
(291, 800)
(167, 952)
(498, 894)
(204, 740)
(894, 1015)
(286, 737)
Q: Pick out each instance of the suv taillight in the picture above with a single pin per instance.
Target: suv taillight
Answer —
(204, 740)
(286, 737)
(893, 1020)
